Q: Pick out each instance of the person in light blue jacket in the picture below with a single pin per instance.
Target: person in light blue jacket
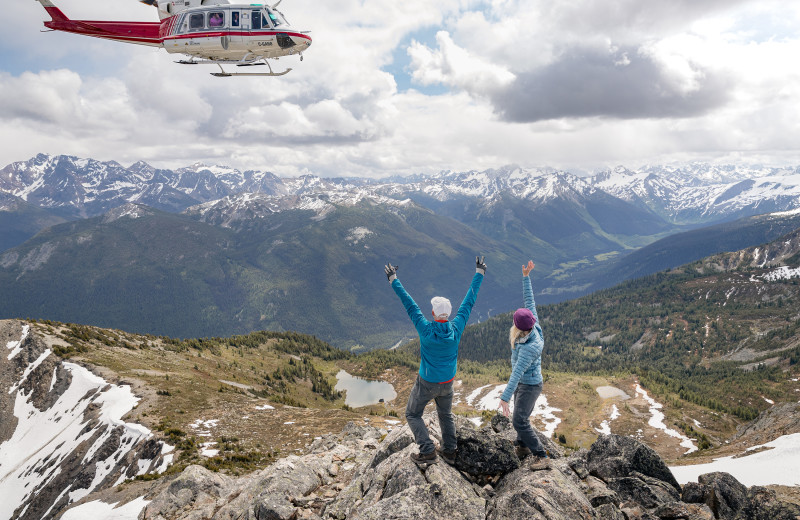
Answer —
(438, 347)
(525, 383)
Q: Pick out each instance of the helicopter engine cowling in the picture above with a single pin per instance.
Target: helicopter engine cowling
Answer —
(167, 8)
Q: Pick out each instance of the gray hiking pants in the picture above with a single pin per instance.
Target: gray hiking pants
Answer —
(422, 393)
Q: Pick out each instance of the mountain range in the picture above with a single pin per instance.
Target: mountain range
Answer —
(248, 250)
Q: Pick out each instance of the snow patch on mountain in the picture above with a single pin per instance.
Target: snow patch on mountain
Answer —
(47, 439)
(356, 234)
(657, 421)
(97, 510)
(781, 273)
(16, 346)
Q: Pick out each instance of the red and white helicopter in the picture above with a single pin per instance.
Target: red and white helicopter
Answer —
(208, 31)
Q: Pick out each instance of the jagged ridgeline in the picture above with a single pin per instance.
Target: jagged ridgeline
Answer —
(719, 332)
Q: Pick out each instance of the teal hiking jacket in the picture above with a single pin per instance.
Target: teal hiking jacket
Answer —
(439, 340)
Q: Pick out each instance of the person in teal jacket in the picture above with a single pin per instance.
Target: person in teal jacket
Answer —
(525, 383)
(438, 340)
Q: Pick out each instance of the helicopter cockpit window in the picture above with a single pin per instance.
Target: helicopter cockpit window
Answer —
(216, 19)
(277, 18)
(197, 21)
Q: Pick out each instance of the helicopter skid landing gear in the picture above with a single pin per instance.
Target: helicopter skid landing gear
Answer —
(223, 74)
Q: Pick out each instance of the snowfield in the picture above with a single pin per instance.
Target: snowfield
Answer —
(778, 464)
(97, 510)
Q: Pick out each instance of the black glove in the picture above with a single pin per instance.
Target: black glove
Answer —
(391, 271)
(480, 264)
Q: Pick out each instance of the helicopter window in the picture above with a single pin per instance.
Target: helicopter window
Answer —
(216, 19)
(235, 19)
(277, 18)
(256, 21)
(197, 21)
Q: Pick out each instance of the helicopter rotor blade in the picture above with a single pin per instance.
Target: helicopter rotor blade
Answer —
(276, 4)
(150, 2)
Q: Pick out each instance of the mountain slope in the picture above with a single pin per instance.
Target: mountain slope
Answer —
(62, 434)
(689, 246)
(722, 332)
(147, 271)
(703, 194)
(19, 220)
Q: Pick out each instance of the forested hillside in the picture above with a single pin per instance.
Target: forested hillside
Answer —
(720, 332)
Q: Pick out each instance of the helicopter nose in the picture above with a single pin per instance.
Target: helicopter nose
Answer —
(303, 40)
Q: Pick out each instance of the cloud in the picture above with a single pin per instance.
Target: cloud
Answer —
(454, 66)
(565, 84)
(626, 84)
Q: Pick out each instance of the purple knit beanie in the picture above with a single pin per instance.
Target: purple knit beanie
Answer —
(523, 319)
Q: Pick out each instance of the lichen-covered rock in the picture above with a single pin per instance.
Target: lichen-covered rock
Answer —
(398, 489)
(693, 493)
(679, 511)
(194, 495)
(763, 504)
(609, 512)
(615, 456)
(481, 453)
(540, 495)
(502, 425)
(598, 492)
(725, 495)
(268, 494)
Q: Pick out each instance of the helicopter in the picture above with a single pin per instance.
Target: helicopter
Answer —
(211, 32)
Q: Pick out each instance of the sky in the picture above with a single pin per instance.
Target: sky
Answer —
(398, 88)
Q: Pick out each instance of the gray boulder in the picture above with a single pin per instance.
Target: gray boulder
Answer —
(614, 456)
(609, 512)
(481, 453)
(763, 504)
(194, 495)
(725, 495)
(268, 494)
(398, 489)
(541, 495)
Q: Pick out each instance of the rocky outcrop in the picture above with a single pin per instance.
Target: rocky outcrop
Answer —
(61, 433)
(366, 474)
(781, 419)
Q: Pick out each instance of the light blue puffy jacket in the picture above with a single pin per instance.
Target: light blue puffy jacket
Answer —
(439, 340)
(526, 357)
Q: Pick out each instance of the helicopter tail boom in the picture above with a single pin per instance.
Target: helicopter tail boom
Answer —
(142, 33)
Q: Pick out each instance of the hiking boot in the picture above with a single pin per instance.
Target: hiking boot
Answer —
(447, 456)
(522, 451)
(538, 463)
(425, 459)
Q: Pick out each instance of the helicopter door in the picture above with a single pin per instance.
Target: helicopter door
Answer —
(239, 26)
(262, 39)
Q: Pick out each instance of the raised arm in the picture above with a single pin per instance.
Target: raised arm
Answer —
(411, 307)
(464, 310)
(527, 289)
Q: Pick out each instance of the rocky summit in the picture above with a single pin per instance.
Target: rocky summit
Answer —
(366, 473)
